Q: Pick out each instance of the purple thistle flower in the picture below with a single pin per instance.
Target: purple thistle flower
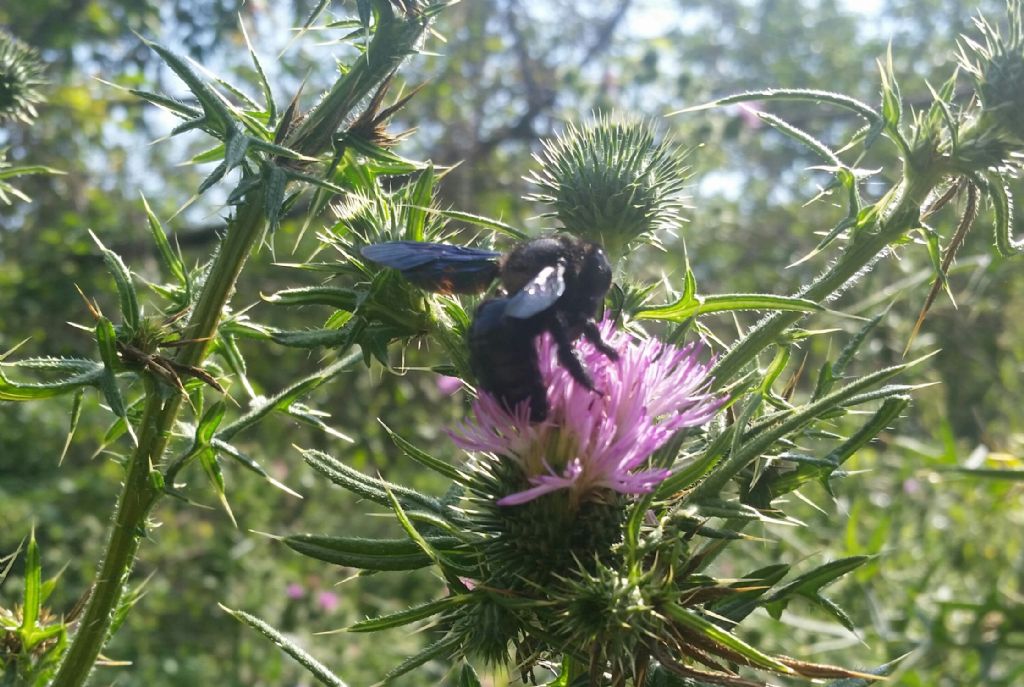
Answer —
(593, 441)
(448, 385)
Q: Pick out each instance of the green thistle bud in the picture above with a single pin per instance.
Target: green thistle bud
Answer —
(604, 613)
(13, 648)
(486, 630)
(20, 78)
(996, 65)
(611, 183)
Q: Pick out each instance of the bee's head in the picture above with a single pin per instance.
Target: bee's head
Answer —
(527, 259)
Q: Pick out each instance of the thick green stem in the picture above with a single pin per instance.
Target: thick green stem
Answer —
(140, 493)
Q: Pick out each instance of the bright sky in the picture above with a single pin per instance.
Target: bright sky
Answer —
(649, 18)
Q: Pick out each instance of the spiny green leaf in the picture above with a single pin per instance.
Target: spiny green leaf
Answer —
(315, 668)
(376, 490)
(425, 459)
(809, 584)
(802, 136)
(216, 117)
(403, 519)
(694, 470)
(775, 369)
(175, 107)
(838, 99)
(33, 599)
(409, 615)
(485, 222)
(320, 338)
(692, 306)
(882, 418)
(250, 464)
(314, 418)
(796, 418)
(131, 312)
(422, 195)
(284, 398)
(750, 588)
(334, 296)
(211, 466)
(76, 414)
(210, 421)
(443, 648)
(106, 339)
(468, 677)
(268, 94)
(367, 554)
(717, 635)
(838, 368)
(171, 259)
(1002, 205)
(892, 101)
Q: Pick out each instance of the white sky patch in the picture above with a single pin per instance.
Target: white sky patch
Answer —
(652, 18)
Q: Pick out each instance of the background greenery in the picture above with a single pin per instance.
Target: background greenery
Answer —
(948, 581)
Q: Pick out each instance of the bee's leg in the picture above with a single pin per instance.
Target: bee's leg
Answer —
(593, 335)
(538, 402)
(567, 354)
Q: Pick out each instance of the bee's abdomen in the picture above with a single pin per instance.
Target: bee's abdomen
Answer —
(504, 358)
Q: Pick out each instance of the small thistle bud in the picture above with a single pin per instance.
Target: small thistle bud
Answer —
(13, 650)
(996, 64)
(486, 630)
(20, 79)
(609, 182)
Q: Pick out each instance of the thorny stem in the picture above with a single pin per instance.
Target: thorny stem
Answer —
(140, 492)
(900, 213)
(395, 38)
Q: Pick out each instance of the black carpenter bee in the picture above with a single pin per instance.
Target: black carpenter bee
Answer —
(554, 284)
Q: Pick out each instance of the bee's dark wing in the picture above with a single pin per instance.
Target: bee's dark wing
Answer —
(437, 266)
(539, 294)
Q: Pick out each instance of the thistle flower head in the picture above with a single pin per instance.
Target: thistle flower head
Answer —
(20, 79)
(995, 63)
(595, 444)
(610, 182)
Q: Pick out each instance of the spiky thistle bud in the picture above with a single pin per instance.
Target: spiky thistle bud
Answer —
(20, 79)
(611, 182)
(996, 65)
(24, 652)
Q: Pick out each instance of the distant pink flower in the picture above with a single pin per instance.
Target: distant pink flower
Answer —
(295, 591)
(592, 441)
(327, 601)
(748, 115)
(448, 385)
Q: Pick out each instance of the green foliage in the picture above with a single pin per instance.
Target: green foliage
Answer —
(32, 638)
(809, 473)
